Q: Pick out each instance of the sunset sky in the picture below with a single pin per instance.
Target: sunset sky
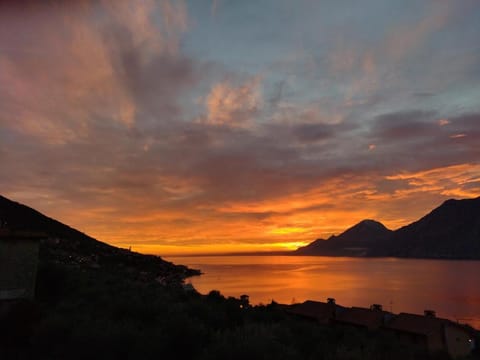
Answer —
(219, 126)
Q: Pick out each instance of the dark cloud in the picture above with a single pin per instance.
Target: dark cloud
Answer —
(405, 125)
(418, 139)
(152, 80)
(312, 132)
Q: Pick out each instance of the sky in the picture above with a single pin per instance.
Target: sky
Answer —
(182, 127)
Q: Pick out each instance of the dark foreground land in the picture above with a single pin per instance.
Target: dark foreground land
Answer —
(112, 311)
(82, 313)
(95, 301)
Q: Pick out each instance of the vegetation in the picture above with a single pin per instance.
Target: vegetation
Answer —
(85, 313)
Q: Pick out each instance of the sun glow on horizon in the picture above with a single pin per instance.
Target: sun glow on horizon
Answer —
(212, 249)
(288, 230)
(299, 219)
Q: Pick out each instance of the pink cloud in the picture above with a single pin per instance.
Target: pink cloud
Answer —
(230, 104)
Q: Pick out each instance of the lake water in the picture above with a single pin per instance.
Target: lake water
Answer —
(451, 288)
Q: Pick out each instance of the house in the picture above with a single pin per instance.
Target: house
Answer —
(436, 334)
(426, 332)
(18, 263)
(369, 319)
(324, 313)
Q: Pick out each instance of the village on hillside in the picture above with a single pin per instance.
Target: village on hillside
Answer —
(428, 331)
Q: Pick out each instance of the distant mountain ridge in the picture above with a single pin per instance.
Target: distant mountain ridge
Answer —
(359, 240)
(451, 231)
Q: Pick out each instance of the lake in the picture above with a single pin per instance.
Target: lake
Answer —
(451, 288)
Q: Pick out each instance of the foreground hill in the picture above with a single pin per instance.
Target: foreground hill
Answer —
(67, 246)
(451, 231)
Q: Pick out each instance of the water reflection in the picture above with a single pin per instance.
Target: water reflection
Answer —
(401, 285)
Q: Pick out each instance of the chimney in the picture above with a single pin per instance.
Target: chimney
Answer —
(429, 313)
(330, 301)
(376, 307)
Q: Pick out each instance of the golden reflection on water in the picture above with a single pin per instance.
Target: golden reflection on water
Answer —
(400, 285)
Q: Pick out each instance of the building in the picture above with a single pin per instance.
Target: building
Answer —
(324, 313)
(436, 334)
(18, 263)
(370, 319)
(425, 332)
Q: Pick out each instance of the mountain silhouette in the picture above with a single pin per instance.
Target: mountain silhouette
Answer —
(65, 245)
(451, 231)
(359, 240)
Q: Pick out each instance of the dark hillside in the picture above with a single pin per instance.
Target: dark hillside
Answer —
(450, 231)
(67, 246)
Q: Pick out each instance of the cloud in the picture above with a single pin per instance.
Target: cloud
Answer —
(137, 19)
(233, 104)
(313, 132)
(406, 38)
(405, 125)
(417, 53)
(414, 140)
(454, 181)
(89, 63)
(443, 122)
(422, 127)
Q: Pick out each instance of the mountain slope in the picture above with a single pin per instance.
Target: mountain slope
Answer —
(450, 231)
(361, 239)
(67, 246)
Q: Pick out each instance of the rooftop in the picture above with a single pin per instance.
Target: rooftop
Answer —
(369, 318)
(321, 311)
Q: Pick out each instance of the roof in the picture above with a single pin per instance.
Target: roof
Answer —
(418, 324)
(371, 319)
(323, 312)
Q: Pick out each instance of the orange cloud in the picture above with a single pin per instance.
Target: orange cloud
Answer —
(279, 223)
(448, 181)
(443, 122)
(282, 222)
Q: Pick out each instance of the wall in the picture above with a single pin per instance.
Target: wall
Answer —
(457, 340)
(18, 267)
